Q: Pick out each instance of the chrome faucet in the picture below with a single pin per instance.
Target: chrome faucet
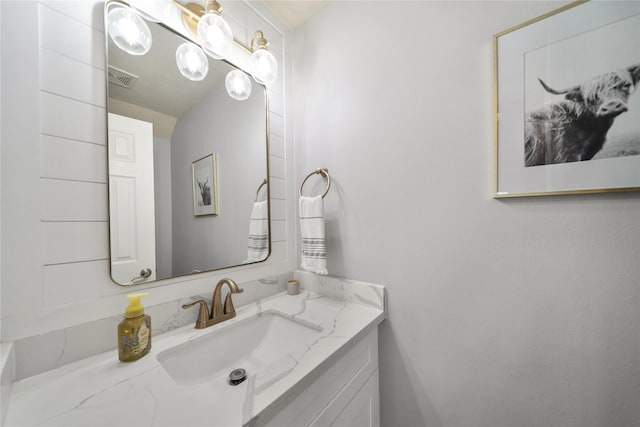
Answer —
(218, 312)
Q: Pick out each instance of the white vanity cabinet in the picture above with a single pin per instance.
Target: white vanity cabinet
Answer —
(345, 392)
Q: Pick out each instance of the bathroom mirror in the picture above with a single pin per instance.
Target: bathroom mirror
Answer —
(187, 165)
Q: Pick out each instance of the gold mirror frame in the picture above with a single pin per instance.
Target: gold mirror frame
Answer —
(143, 278)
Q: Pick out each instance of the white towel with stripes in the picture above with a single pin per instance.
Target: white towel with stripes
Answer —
(258, 247)
(314, 252)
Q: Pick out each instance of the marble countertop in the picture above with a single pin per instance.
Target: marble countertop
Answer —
(101, 391)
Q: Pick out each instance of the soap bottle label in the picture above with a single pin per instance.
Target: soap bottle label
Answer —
(143, 339)
(136, 340)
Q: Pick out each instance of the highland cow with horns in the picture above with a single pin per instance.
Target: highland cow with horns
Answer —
(575, 128)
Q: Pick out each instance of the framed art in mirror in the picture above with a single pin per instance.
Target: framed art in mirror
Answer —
(566, 118)
(205, 185)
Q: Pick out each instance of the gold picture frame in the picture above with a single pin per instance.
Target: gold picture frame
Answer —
(544, 65)
(204, 172)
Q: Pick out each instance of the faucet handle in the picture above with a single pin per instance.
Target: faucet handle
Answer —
(203, 313)
(228, 302)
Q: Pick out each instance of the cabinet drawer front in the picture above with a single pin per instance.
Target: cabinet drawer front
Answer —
(363, 410)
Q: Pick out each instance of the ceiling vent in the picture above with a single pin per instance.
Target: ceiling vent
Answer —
(121, 77)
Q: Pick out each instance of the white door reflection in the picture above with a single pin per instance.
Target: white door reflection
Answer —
(131, 193)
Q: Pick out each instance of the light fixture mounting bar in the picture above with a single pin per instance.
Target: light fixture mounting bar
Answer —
(191, 14)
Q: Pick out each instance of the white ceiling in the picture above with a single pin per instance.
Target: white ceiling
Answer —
(294, 12)
(161, 87)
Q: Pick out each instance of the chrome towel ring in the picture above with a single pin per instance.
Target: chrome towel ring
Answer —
(321, 171)
(260, 188)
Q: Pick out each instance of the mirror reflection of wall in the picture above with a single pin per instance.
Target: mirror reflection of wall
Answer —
(201, 130)
(189, 120)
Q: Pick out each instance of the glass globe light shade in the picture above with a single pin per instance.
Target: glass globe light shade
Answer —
(264, 66)
(238, 85)
(215, 35)
(192, 62)
(129, 31)
(153, 10)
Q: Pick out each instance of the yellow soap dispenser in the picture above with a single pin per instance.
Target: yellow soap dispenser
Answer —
(134, 332)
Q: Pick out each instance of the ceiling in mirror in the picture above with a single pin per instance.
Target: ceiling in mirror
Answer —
(187, 163)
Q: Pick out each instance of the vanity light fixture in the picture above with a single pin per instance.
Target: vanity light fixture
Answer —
(129, 31)
(264, 66)
(192, 62)
(213, 31)
(238, 85)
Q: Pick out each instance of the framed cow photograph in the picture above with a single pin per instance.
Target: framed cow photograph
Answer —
(205, 185)
(566, 104)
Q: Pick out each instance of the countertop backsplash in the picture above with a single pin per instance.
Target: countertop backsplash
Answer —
(342, 289)
(40, 353)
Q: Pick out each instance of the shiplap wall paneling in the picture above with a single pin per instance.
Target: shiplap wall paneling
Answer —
(79, 40)
(276, 102)
(87, 12)
(277, 146)
(276, 124)
(278, 209)
(73, 152)
(64, 283)
(278, 188)
(74, 201)
(277, 167)
(73, 160)
(68, 118)
(21, 202)
(278, 231)
(71, 78)
(72, 242)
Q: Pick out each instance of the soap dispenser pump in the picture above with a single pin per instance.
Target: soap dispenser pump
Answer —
(134, 332)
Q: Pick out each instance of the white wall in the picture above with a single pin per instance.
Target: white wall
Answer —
(54, 196)
(501, 313)
(163, 211)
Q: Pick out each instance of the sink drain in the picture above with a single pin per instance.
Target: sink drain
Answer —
(237, 376)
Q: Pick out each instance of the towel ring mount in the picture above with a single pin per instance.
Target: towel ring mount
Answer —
(260, 188)
(321, 171)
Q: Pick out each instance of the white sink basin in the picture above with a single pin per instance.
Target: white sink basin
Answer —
(252, 344)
